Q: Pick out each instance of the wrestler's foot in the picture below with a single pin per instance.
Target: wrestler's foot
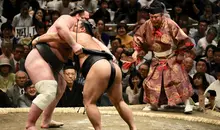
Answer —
(52, 124)
(31, 128)
(133, 128)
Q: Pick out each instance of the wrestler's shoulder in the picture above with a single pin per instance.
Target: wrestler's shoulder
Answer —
(65, 17)
(85, 35)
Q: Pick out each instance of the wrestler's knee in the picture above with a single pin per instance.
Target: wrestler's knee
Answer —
(47, 90)
(88, 100)
(115, 99)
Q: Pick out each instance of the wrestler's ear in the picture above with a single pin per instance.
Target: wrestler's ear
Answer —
(83, 30)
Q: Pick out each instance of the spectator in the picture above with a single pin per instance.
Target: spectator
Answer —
(134, 88)
(191, 53)
(216, 62)
(145, 3)
(43, 3)
(17, 62)
(177, 11)
(7, 78)
(100, 34)
(17, 90)
(102, 13)
(133, 7)
(128, 62)
(216, 86)
(143, 13)
(54, 16)
(126, 40)
(2, 20)
(208, 15)
(143, 69)
(11, 8)
(25, 100)
(72, 96)
(40, 28)
(65, 7)
(211, 95)
(89, 6)
(195, 8)
(209, 55)
(118, 52)
(38, 16)
(207, 40)
(6, 50)
(115, 43)
(27, 49)
(52, 5)
(7, 33)
(120, 9)
(200, 84)
(23, 19)
(189, 65)
(4, 100)
(217, 8)
(201, 66)
(34, 4)
(200, 33)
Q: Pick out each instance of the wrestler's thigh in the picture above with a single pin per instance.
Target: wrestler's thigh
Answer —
(37, 68)
(115, 92)
(96, 81)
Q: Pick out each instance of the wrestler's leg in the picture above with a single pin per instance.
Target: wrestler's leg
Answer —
(38, 70)
(115, 96)
(95, 85)
(33, 116)
(47, 114)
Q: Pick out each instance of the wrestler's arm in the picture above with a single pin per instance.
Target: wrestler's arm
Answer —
(47, 37)
(63, 28)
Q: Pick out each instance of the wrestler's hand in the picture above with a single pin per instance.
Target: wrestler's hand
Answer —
(77, 48)
(35, 41)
